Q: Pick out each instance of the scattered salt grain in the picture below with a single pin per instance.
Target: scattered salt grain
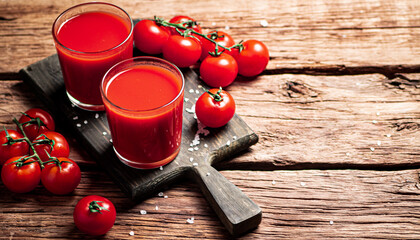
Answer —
(205, 145)
(78, 125)
(165, 196)
(331, 222)
(302, 184)
(190, 110)
(190, 149)
(379, 143)
(264, 23)
(227, 27)
(143, 212)
(388, 135)
(372, 149)
(160, 168)
(190, 220)
(157, 208)
(195, 99)
(228, 143)
(191, 90)
(207, 174)
(234, 137)
(76, 117)
(197, 92)
(85, 122)
(378, 113)
(347, 154)
(97, 116)
(110, 140)
(131, 233)
(191, 159)
(195, 164)
(104, 133)
(213, 23)
(374, 121)
(273, 182)
(186, 99)
(160, 194)
(196, 148)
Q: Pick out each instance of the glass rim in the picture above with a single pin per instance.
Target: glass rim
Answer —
(93, 3)
(181, 90)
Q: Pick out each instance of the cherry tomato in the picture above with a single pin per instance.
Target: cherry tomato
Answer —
(16, 149)
(42, 122)
(94, 215)
(61, 176)
(21, 177)
(219, 71)
(150, 37)
(220, 37)
(216, 109)
(253, 59)
(187, 22)
(182, 51)
(60, 145)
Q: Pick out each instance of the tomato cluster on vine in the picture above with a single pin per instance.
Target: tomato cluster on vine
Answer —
(35, 153)
(182, 42)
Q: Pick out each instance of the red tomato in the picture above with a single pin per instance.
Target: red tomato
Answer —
(187, 22)
(94, 215)
(219, 71)
(216, 109)
(253, 59)
(60, 145)
(182, 51)
(150, 37)
(61, 177)
(220, 37)
(21, 177)
(13, 150)
(41, 121)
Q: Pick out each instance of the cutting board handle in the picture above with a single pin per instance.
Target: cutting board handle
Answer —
(235, 209)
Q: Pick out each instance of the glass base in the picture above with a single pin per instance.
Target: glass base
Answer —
(144, 166)
(85, 106)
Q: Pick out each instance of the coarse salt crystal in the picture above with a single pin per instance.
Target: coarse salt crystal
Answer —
(76, 117)
(379, 143)
(157, 208)
(110, 140)
(264, 23)
(197, 92)
(131, 233)
(205, 145)
(97, 116)
(191, 159)
(196, 148)
(160, 194)
(143, 212)
(190, 110)
(234, 137)
(378, 113)
(165, 196)
(195, 164)
(227, 27)
(191, 90)
(302, 184)
(208, 174)
(104, 133)
(372, 149)
(228, 143)
(213, 23)
(273, 182)
(78, 125)
(186, 99)
(160, 168)
(190, 220)
(190, 149)
(85, 122)
(347, 154)
(331, 222)
(374, 121)
(388, 135)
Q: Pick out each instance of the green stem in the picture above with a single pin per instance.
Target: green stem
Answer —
(216, 96)
(25, 138)
(164, 23)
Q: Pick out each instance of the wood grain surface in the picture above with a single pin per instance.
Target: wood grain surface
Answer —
(337, 112)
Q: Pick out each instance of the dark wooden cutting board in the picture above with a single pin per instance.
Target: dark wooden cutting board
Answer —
(237, 212)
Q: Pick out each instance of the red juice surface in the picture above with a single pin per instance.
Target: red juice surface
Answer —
(152, 132)
(93, 37)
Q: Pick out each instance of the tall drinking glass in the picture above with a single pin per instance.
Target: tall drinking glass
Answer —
(90, 38)
(143, 98)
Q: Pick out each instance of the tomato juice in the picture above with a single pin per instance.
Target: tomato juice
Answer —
(143, 99)
(90, 38)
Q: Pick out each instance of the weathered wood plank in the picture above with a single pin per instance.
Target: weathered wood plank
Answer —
(315, 204)
(303, 36)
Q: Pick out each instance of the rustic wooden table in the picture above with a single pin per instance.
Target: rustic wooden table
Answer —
(337, 113)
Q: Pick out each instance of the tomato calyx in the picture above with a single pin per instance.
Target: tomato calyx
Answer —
(10, 140)
(96, 208)
(55, 161)
(32, 120)
(22, 161)
(216, 96)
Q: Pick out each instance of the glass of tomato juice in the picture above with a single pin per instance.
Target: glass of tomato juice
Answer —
(90, 38)
(143, 98)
